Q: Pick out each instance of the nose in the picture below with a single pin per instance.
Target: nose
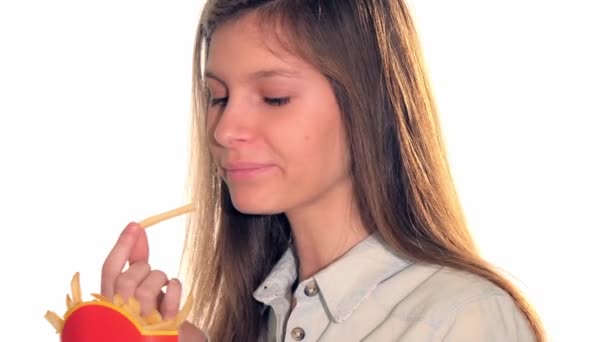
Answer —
(233, 125)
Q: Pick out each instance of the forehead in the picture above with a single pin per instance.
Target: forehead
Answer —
(244, 45)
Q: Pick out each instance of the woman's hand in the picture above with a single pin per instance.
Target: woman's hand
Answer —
(190, 333)
(138, 280)
(141, 282)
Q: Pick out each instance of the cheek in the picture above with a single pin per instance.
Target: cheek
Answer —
(208, 126)
(315, 151)
(211, 144)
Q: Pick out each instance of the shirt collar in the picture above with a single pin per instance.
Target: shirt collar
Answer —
(279, 281)
(345, 283)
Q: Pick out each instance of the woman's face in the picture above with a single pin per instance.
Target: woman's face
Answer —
(275, 128)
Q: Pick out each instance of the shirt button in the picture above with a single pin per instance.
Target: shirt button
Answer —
(298, 334)
(311, 289)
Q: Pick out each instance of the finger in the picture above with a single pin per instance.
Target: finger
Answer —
(169, 307)
(128, 281)
(159, 299)
(141, 249)
(118, 257)
(149, 290)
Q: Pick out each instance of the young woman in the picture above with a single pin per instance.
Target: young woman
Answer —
(327, 209)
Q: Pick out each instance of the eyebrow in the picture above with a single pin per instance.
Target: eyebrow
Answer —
(265, 73)
(274, 73)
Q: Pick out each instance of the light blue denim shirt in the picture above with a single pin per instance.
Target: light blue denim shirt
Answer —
(371, 294)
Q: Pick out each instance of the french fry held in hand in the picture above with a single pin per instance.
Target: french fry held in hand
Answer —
(152, 220)
(117, 319)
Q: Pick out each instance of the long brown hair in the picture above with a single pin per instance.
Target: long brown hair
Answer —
(369, 51)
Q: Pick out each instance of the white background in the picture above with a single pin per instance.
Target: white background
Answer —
(94, 132)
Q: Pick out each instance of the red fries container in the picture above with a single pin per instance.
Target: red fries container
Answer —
(98, 321)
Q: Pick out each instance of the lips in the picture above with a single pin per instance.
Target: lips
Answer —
(103, 322)
(245, 170)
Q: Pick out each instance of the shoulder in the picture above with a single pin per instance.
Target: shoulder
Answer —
(454, 305)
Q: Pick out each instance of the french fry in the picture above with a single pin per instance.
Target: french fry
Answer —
(152, 220)
(68, 302)
(118, 301)
(100, 298)
(76, 292)
(175, 322)
(133, 307)
(55, 320)
(153, 317)
(164, 325)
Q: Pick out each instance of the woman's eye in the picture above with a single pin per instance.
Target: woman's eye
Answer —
(276, 101)
(219, 101)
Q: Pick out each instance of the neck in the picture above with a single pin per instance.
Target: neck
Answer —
(326, 229)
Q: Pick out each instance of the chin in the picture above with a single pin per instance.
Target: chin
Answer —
(255, 205)
(255, 209)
